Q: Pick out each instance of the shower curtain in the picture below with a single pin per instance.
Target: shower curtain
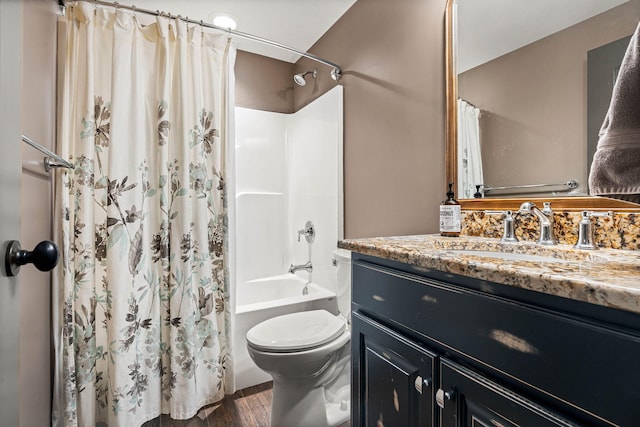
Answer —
(141, 313)
(469, 154)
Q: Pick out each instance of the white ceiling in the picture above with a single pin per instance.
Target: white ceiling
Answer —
(295, 23)
(488, 29)
(482, 25)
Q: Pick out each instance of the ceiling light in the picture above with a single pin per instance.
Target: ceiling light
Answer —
(224, 20)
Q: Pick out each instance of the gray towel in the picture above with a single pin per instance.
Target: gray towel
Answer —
(615, 171)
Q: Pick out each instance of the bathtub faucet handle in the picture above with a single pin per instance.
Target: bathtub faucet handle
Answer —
(309, 232)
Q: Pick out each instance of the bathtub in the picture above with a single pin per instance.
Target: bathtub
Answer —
(261, 299)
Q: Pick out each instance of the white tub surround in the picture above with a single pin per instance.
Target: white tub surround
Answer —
(288, 172)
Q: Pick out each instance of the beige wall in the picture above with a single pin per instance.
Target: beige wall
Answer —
(533, 102)
(38, 122)
(392, 56)
(263, 83)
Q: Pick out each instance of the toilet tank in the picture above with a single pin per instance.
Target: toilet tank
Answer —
(342, 259)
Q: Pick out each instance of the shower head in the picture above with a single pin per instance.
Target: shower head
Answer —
(300, 78)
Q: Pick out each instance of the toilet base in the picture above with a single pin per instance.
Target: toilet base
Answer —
(339, 410)
(290, 408)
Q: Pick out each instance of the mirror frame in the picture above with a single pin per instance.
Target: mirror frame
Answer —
(451, 146)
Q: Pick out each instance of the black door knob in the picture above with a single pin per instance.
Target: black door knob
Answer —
(44, 256)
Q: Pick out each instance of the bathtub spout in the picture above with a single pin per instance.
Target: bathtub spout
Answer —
(306, 266)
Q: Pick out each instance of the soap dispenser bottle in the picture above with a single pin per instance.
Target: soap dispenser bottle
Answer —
(450, 223)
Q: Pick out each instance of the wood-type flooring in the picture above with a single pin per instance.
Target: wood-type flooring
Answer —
(250, 407)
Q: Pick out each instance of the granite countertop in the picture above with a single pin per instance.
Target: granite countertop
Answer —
(607, 277)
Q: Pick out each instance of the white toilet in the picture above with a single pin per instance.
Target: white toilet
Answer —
(308, 355)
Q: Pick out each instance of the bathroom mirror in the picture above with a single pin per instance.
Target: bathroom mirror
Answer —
(524, 67)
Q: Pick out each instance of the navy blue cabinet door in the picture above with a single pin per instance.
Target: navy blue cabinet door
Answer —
(392, 378)
(467, 399)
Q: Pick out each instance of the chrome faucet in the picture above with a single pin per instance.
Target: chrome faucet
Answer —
(306, 266)
(546, 225)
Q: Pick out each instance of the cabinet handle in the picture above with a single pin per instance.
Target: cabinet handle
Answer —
(419, 383)
(442, 395)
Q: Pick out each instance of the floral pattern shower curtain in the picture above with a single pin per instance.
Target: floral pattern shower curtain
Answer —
(144, 320)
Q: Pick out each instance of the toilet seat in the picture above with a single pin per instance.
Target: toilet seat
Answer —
(296, 331)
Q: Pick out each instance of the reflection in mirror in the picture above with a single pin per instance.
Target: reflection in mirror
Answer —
(534, 81)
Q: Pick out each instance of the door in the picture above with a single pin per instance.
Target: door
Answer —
(10, 170)
(38, 123)
(393, 378)
(467, 399)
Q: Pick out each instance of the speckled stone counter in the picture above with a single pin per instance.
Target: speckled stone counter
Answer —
(606, 277)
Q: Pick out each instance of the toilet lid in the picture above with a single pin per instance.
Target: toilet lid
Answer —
(296, 331)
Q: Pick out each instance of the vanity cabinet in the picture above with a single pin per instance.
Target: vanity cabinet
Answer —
(436, 349)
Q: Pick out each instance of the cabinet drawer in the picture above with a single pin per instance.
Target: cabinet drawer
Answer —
(592, 369)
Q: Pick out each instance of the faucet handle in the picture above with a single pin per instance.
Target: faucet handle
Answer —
(508, 233)
(599, 214)
(308, 231)
(585, 229)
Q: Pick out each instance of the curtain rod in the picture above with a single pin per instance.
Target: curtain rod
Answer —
(336, 72)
